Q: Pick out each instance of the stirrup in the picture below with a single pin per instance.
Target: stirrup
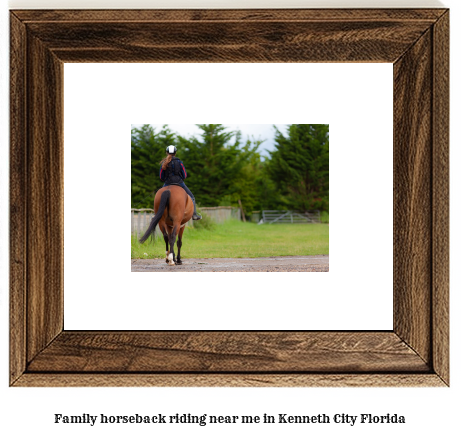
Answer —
(196, 217)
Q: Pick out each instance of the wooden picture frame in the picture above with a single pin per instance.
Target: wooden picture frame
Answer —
(414, 353)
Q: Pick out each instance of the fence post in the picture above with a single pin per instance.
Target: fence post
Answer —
(241, 208)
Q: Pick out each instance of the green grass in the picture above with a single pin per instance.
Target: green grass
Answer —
(324, 217)
(239, 239)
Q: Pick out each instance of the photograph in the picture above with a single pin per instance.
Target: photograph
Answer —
(245, 198)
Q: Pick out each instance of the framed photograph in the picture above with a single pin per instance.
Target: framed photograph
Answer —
(414, 353)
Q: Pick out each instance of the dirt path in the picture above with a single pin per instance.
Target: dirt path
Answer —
(261, 264)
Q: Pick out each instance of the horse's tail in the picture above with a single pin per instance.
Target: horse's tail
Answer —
(164, 200)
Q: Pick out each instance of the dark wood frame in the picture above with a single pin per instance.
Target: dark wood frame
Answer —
(414, 353)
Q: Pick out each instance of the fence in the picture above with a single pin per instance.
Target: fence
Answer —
(289, 217)
(220, 214)
(140, 218)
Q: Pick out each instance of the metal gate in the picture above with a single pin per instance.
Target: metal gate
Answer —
(289, 217)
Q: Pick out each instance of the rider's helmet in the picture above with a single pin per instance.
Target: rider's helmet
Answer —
(171, 149)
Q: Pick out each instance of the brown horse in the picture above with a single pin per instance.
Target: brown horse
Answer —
(173, 208)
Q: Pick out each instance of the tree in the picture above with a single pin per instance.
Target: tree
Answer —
(300, 166)
(216, 163)
(268, 192)
(147, 150)
(245, 187)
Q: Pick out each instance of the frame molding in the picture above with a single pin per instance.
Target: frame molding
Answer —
(415, 353)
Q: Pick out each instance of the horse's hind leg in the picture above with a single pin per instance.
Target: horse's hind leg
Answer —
(165, 238)
(179, 244)
(172, 240)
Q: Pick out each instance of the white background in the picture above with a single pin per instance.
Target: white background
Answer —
(427, 410)
(100, 291)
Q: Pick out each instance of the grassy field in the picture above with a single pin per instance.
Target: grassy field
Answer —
(239, 239)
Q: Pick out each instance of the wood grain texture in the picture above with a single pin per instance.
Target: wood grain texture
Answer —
(204, 15)
(414, 354)
(18, 213)
(248, 41)
(441, 215)
(236, 352)
(229, 35)
(230, 380)
(44, 200)
(413, 196)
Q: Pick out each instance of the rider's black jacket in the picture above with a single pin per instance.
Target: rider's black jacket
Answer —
(174, 174)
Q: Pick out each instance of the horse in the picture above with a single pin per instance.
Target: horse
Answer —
(173, 209)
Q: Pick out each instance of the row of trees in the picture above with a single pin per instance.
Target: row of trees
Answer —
(222, 169)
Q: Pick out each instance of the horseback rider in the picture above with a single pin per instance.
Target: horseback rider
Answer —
(172, 172)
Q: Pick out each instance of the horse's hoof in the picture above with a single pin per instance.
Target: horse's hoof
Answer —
(170, 259)
(178, 262)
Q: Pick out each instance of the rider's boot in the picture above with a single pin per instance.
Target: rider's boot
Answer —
(196, 216)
